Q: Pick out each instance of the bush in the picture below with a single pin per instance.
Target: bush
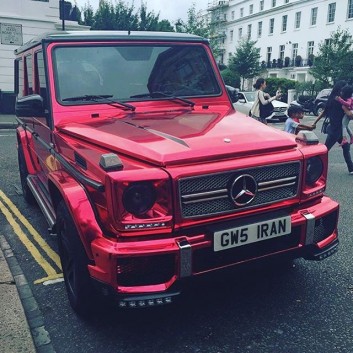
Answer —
(230, 78)
(273, 83)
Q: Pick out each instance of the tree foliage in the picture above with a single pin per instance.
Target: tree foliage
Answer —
(230, 78)
(334, 59)
(274, 83)
(123, 17)
(246, 61)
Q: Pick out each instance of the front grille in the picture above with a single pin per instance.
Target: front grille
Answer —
(282, 109)
(206, 259)
(211, 194)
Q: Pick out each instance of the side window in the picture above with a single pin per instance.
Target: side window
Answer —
(19, 78)
(41, 84)
(28, 72)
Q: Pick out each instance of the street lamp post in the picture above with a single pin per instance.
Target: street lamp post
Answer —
(63, 15)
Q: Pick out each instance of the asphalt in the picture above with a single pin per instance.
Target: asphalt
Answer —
(21, 322)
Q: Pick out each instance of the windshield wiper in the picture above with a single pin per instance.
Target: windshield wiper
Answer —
(164, 95)
(96, 98)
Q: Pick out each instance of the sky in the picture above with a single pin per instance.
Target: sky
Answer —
(170, 10)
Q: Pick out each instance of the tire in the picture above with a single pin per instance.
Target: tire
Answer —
(79, 286)
(27, 193)
(319, 110)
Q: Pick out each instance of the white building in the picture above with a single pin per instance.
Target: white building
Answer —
(21, 20)
(283, 29)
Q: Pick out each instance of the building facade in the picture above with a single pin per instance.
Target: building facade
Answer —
(21, 20)
(288, 32)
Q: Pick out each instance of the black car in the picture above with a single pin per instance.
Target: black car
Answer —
(321, 100)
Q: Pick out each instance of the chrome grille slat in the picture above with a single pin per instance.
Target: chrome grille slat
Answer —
(206, 195)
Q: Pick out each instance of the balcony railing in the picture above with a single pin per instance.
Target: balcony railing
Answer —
(282, 64)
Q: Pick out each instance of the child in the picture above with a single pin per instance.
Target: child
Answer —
(347, 101)
(293, 124)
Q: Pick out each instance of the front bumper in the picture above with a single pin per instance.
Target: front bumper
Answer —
(150, 270)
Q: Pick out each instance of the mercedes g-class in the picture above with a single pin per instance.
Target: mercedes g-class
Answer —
(130, 145)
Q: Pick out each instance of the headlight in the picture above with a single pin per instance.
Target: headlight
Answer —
(314, 169)
(138, 198)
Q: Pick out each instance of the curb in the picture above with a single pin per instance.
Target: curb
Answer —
(35, 320)
(8, 125)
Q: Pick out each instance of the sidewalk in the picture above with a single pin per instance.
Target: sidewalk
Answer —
(8, 121)
(15, 334)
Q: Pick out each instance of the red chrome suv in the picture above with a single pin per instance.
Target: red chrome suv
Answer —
(130, 145)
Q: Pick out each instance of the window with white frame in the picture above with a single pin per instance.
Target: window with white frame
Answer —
(281, 52)
(331, 12)
(249, 31)
(310, 48)
(273, 3)
(284, 23)
(261, 5)
(232, 15)
(272, 25)
(313, 18)
(242, 12)
(269, 54)
(231, 33)
(240, 33)
(294, 51)
(259, 29)
(350, 9)
(251, 9)
(298, 16)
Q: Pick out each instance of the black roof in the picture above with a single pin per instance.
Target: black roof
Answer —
(68, 36)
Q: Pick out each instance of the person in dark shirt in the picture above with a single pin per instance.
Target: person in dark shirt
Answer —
(335, 112)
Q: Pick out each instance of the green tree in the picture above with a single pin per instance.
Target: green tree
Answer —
(334, 59)
(197, 24)
(230, 78)
(88, 15)
(123, 17)
(246, 61)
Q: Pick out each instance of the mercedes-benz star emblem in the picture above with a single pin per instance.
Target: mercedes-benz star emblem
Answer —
(243, 190)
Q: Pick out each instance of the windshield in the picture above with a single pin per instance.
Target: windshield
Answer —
(250, 96)
(133, 72)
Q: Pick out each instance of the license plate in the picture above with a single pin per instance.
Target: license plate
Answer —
(251, 233)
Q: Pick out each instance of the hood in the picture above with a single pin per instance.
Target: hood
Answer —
(181, 138)
(279, 104)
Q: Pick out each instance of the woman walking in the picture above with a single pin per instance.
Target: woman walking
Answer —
(335, 111)
(261, 98)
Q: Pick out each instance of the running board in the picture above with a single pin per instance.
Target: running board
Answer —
(42, 199)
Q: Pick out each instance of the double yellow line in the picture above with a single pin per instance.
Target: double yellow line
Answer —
(14, 216)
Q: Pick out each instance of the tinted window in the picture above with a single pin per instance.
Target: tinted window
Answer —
(134, 72)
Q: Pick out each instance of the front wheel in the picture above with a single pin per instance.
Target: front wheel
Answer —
(74, 263)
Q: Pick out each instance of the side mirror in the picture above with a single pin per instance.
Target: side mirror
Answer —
(233, 94)
(242, 100)
(30, 106)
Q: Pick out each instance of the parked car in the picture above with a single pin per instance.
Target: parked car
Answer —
(321, 100)
(233, 93)
(246, 100)
(129, 143)
(306, 103)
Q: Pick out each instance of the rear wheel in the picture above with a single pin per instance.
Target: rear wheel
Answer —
(27, 193)
(74, 261)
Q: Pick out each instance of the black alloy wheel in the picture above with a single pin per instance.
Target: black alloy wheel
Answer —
(79, 286)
